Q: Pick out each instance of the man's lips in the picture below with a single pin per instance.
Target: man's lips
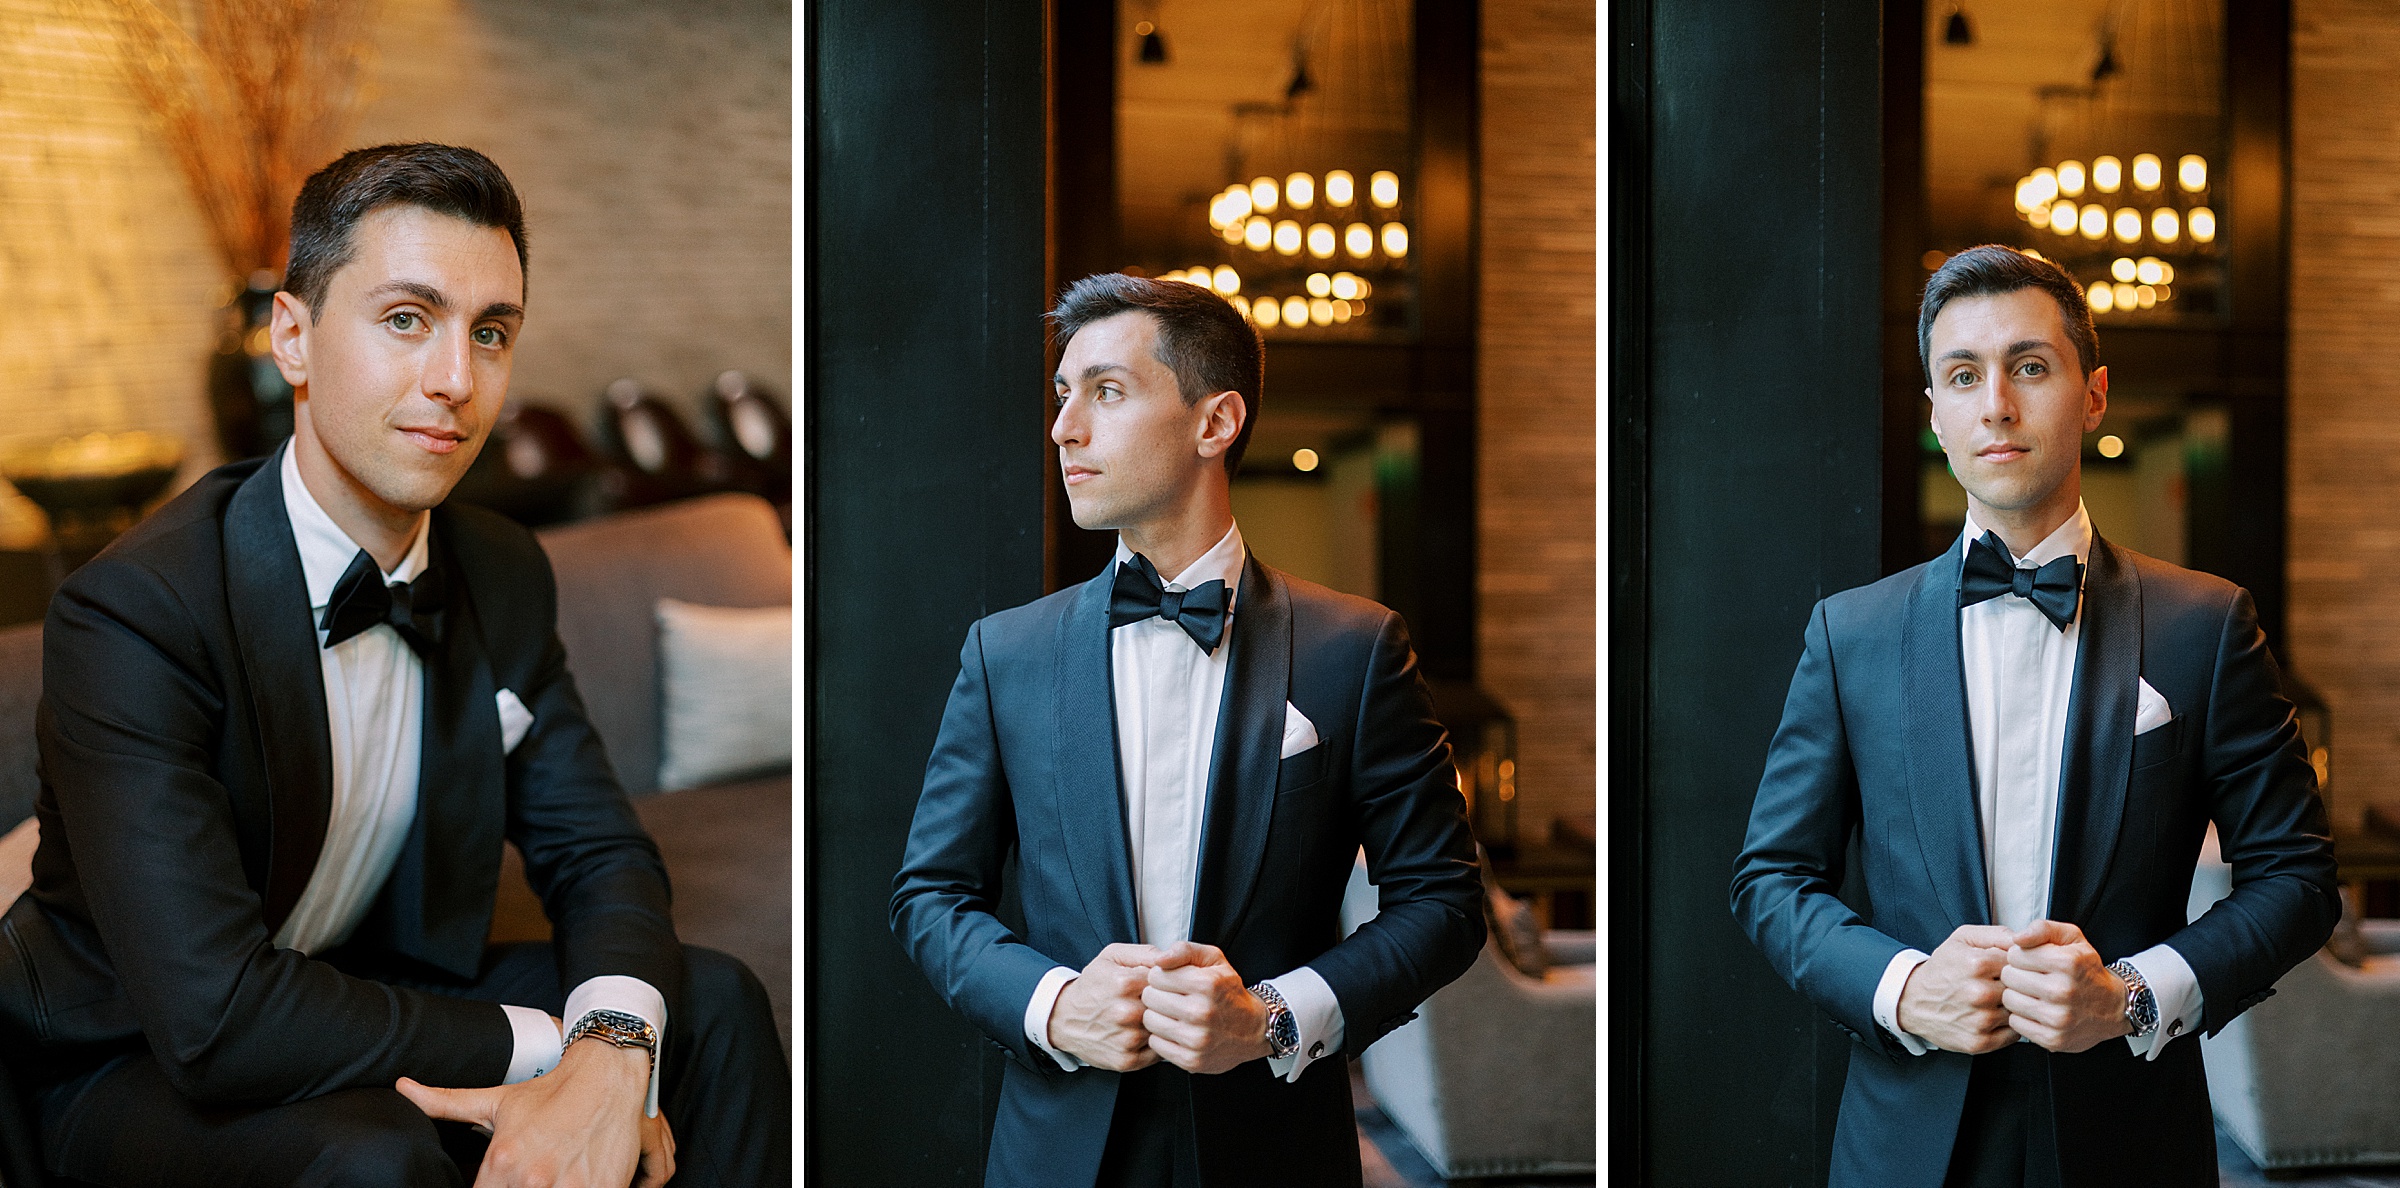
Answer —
(2007, 451)
(1077, 474)
(433, 439)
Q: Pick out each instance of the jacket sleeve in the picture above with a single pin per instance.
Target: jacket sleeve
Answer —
(948, 887)
(131, 719)
(1786, 880)
(1420, 854)
(2271, 826)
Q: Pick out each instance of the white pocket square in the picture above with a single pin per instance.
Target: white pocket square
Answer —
(1299, 734)
(2153, 711)
(515, 720)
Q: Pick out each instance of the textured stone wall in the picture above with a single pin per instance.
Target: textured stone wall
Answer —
(2344, 617)
(651, 143)
(1537, 434)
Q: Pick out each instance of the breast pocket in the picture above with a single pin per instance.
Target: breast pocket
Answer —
(1301, 770)
(2158, 746)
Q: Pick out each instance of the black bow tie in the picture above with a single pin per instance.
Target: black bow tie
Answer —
(1139, 595)
(361, 600)
(2053, 589)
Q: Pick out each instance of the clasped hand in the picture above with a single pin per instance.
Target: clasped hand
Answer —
(1986, 986)
(1136, 1005)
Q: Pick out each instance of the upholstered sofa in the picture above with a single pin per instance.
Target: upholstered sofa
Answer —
(1496, 1075)
(727, 846)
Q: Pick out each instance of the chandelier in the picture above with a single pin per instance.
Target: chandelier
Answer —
(2129, 215)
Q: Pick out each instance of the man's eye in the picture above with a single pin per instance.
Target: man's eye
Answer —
(490, 336)
(1962, 379)
(2034, 367)
(404, 321)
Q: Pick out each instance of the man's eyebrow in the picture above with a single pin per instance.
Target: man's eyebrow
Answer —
(501, 309)
(1093, 372)
(417, 289)
(1958, 353)
(2029, 344)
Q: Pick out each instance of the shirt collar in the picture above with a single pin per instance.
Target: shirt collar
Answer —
(326, 550)
(1221, 563)
(2074, 536)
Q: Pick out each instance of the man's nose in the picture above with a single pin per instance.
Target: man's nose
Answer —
(1999, 402)
(1067, 428)
(449, 375)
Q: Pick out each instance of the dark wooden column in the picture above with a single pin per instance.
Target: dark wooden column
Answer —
(924, 476)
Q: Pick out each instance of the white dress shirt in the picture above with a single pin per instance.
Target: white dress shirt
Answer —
(2020, 677)
(374, 703)
(1167, 693)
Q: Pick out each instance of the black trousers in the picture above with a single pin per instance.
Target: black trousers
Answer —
(726, 1092)
(2007, 1135)
(1152, 1142)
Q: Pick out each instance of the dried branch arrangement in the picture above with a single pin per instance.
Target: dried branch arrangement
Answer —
(252, 96)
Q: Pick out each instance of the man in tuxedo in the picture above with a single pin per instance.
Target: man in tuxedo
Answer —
(1185, 754)
(2028, 738)
(286, 723)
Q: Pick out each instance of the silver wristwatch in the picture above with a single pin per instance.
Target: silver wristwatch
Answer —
(616, 1028)
(1283, 1031)
(2141, 1006)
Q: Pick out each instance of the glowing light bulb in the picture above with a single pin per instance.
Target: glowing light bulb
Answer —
(1263, 194)
(1320, 312)
(1300, 191)
(2070, 178)
(2146, 171)
(2165, 225)
(1383, 188)
(1258, 234)
(2127, 297)
(2145, 296)
(2102, 297)
(2112, 446)
(1225, 280)
(2123, 268)
(2129, 224)
(1395, 240)
(1233, 231)
(1339, 189)
(1359, 239)
(1321, 240)
(2192, 173)
(2042, 185)
(2039, 216)
(2062, 218)
(1304, 460)
(2166, 275)
(1266, 312)
(1287, 238)
(1295, 311)
(2107, 174)
(2094, 223)
(2149, 271)
(2203, 223)
(1341, 312)
(1344, 286)
(1320, 285)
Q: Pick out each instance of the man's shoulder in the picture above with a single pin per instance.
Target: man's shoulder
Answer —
(181, 545)
(479, 536)
(2171, 588)
(1322, 612)
(1879, 603)
(1028, 624)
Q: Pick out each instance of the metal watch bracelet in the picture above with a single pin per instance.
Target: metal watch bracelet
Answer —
(1283, 1031)
(2141, 1006)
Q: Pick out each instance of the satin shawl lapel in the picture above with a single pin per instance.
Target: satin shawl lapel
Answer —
(1941, 772)
(2098, 757)
(1249, 746)
(1091, 809)
(437, 905)
(277, 642)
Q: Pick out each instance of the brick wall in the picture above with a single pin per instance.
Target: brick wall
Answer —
(1537, 433)
(651, 143)
(2345, 397)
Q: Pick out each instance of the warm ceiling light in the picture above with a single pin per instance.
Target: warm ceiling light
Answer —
(2146, 172)
(1266, 311)
(1345, 286)
(2094, 223)
(1339, 189)
(1360, 240)
(2129, 224)
(2070, 178)
(1321, 241)
(1320, 312)
(1287, 237)
(1320, 285)
(2123, 268)
(2103, 297)
(2112, 446)
(2150, 271)
(1226, 280)
(2062, 218)
(1295, 311)
(2107, 174)
(2042, 185)
(2192, 173)
(2165, 225)
(2203, 223)
(1300, 191)
(2127, 298)
(1383, 188)
(1258, 233)
(2145, 296)
(1395, 240)
(1263, 194)
(1304, 460)
(1341, 312)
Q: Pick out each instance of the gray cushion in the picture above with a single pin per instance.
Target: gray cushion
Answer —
(719, 550)
(20, 688)
(725, 691)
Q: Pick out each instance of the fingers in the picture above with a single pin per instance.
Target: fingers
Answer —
(1184, 1033)
(1189, 953)
(1127, 955)
(658, 1154)
(2048, 932)
(475, 1106)
(1983, 936)
(1197, 979)
(1174, 1053)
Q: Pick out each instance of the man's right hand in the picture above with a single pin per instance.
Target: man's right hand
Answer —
(1098, 1016)
(1952, 999)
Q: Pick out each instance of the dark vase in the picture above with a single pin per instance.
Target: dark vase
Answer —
(251, 401)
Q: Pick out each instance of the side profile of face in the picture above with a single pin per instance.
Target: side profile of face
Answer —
(1130, 449)
(403, 370)
(2011, 404)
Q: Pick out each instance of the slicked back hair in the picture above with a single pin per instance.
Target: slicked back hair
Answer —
(458, 182)
(1209, 346)
(1991, 270)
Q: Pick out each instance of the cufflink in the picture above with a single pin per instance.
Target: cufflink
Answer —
(2175, 1029)
(1316, 1050)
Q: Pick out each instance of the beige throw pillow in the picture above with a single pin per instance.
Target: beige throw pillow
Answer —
(725, 692)
(16, 860)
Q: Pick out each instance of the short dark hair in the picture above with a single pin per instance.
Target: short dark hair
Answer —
(1991, 270)
(446, 179)
(1201, 338)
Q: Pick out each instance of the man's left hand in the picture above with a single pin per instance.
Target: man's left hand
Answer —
(1200, 1015)
(578, 1126)
(2057, 991)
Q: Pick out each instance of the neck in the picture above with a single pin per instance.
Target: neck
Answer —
(384, 531)
(1176, 539)
(2023, 528)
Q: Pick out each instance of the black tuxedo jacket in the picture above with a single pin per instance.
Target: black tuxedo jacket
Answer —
(1026, 763)
(1874, 745)
(186, 785)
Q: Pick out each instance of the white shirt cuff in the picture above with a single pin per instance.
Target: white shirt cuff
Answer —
(1319, 1015)
(537, 1049)
(2177, 991)
(1037, 1014)
(1887, 999)
(632, 996)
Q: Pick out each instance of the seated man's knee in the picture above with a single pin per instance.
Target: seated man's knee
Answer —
(380, 1141)
(719, 986)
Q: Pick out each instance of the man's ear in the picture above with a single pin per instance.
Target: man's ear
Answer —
(1933, 422)
(287, 338)
(2095, 395)
(1221, 419)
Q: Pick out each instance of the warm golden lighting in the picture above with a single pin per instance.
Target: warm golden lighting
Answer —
(2192, 173)
(2062, 218)
(2070, 178)
(1300, 191)
(1263, 194)
(1339, 189)
(1259, 234)
(2039, 216)
(1383, 188)
(2103, 297)
(2107, 174)
(1233, 232)
(1225, 280)
(1320, 311)
(1360, 240)
(1341, 312)
(1395, 240)
(2149, 270)
(1287, 237)
(2129, 224)
(2146, 172)
(2041, 186)
(2112, 446)
(1321, 240)
(1240, 305)
(2145, 296)
(1266, 312)
(1304, 460)
(2166, 225)
(2203, 223)
(2123, 268)
(1320, 285)
(1295, 311)
(2094, 223)
(2126, 296)
(1345, 286)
